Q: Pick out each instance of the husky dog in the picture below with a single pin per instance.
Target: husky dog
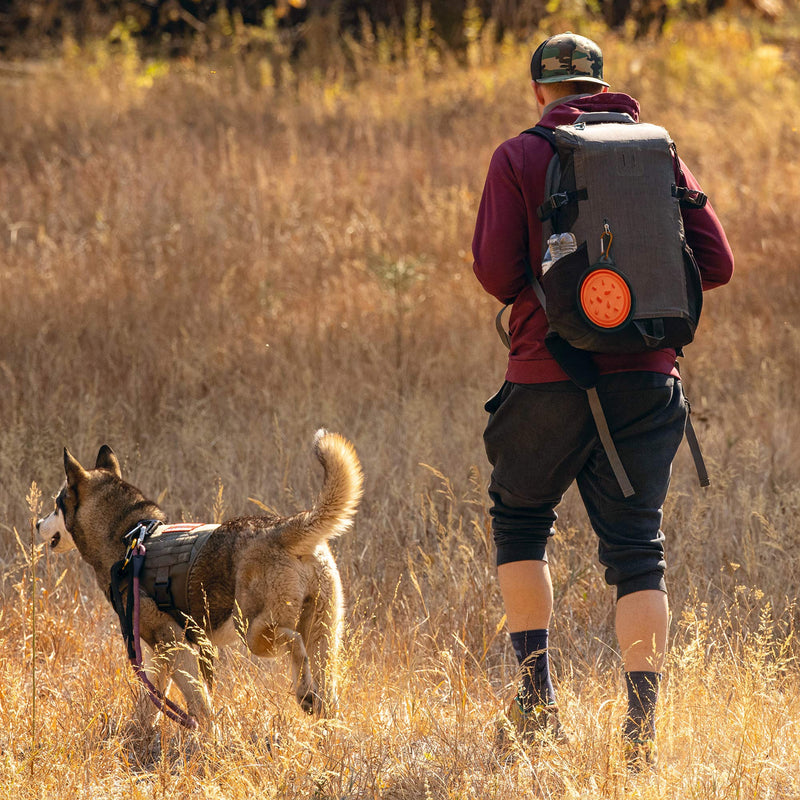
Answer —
(270, 579)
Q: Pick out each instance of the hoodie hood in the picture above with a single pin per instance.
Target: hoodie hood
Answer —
(565, 113)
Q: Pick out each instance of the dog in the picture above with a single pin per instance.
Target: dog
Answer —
(270, 580)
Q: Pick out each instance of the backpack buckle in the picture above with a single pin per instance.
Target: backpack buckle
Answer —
(689, 198)
(552, 205)
(558, 200)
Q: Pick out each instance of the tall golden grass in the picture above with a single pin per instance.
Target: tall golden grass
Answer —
(200, 268)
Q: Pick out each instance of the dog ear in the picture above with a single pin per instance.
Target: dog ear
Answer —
(107, 460)
(75, 472)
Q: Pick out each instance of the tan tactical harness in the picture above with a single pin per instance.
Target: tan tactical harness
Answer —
(171, 554)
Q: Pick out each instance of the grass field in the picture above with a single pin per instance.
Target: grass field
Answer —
(200, 267)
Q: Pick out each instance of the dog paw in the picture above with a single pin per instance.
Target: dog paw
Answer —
(309, 702)
(317, 705)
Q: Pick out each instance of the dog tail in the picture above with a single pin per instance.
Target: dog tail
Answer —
(335, 507)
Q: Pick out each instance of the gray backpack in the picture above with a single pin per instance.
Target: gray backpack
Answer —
(631, 282)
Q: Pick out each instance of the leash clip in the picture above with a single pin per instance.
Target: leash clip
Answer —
(136, 537)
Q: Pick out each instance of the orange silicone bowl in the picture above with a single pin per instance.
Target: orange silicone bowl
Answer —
(605, 299)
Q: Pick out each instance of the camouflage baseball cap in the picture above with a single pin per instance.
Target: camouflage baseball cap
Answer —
(567, 57)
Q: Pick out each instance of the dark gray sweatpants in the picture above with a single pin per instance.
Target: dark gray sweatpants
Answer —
(541, 437)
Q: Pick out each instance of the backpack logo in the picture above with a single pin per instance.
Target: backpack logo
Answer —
(628, 163)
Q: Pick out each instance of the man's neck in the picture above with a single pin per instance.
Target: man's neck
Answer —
(561, 101)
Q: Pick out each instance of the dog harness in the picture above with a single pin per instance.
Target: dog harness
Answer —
(171, 554)
(166, 573)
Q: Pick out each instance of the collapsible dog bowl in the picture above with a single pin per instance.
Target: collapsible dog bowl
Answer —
(605, 298)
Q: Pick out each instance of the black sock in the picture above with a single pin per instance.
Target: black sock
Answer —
(531, 650)
(642, 697)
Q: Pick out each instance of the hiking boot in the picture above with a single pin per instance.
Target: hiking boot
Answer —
(640, 753)
(520, 728)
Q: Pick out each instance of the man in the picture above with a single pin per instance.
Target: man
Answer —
(541, 436)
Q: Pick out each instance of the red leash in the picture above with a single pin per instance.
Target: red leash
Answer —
(164, 704)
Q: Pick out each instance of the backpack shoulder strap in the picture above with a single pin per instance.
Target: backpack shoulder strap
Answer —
(688, 198)
(557, 200)
(545, 133)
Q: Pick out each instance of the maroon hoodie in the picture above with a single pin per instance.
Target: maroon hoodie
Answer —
(508, 232)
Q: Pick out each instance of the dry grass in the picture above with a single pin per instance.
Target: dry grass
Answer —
(200, 271)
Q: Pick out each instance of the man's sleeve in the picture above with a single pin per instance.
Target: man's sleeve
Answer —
(706, 237)
(500, 243)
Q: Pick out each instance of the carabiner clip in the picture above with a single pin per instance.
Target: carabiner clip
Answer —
(605, 242)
